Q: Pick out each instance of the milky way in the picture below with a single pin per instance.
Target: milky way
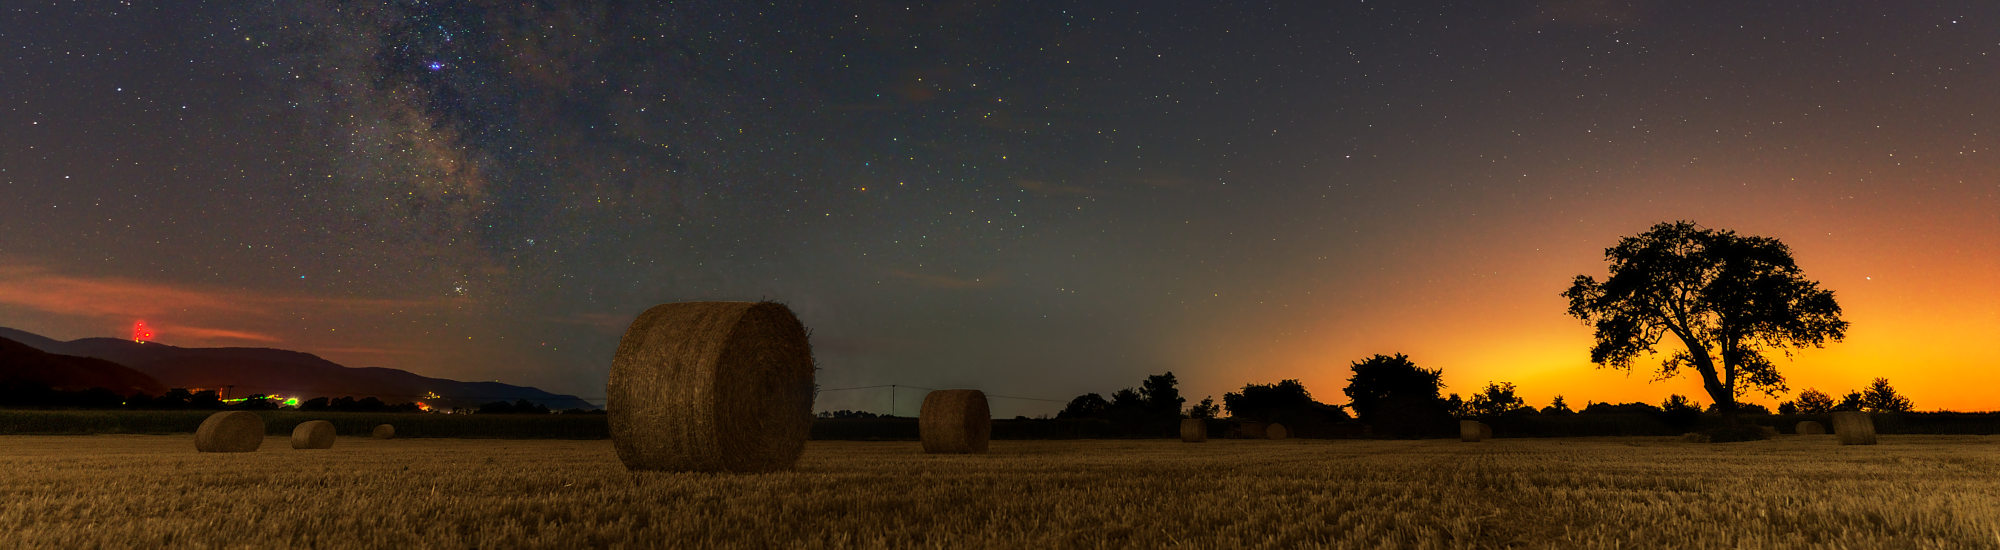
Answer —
(1036, 200)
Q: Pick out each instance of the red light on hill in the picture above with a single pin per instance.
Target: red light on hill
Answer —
(140, 333)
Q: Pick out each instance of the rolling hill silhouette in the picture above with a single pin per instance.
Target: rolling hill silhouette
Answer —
(248, 371)
(24, 363)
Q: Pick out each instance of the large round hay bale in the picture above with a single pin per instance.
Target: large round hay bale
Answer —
(230, 432)
(1471, 431)
(955, 421)
(712, 387)
(1194, 430)
(1808, 427)
(1854, 428)
(383, 431)
(1277, 431)
(313, 434)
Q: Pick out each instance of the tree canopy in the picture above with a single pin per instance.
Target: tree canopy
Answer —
(1813, 401)
(1727, 298)
(1881, 397)
(1394, 395)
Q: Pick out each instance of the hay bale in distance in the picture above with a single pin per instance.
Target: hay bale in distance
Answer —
(1695, 437)
(711, 387)
(1472, 431)
(956, 421)
(1194, 430)
(383, 431)
(1276, 431)
(1808, 427)
(1485, 431)
(1767, 431)
(313, 434)
(1854, 428)
(230, 432)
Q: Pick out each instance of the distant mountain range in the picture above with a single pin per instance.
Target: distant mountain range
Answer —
(22, 363)
(244, 372)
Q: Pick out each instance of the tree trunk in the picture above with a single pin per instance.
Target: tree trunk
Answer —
(1725, 399)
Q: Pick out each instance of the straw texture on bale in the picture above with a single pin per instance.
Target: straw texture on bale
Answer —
(230, 432)
(1276, 431)
(1471, 431)
(1808, 427)
(313, 434)
(711, 387)
(1194, 430)
(1485, 431)
(383, 431)
(955, 421)
(1854, 428)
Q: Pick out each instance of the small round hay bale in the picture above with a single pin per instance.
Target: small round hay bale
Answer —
(955, 421)
(383, 431)
(1854, 428)
(230, 432)
(1767, 432)
(711, 387)
(1485, 431)
(1808, 427)
(313, 434)
(1471, 431)
(1277, 431)
(1194, 430)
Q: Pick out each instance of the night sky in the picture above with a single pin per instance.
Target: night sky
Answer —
(1036, 199)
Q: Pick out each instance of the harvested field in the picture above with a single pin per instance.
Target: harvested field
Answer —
(1796, 491)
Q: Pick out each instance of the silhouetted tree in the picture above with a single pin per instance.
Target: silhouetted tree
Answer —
(1726, 297)
(1853, 401)
(1788, 407)
(316, 404)
(1088, 405)
(1496, 400)
(1679, 412)
(1880, 397)
(1459, 407)
(1398, 398)
(1161, 396)
(1205, 409)
(843, 413)
(1557, 406)
(1286, 402)
(1261, 402)
(1813, 401)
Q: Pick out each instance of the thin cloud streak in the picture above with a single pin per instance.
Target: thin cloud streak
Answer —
(102, 298)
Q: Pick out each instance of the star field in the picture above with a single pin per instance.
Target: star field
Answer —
(1035, 200)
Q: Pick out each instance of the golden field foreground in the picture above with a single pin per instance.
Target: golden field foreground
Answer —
(1796, 491)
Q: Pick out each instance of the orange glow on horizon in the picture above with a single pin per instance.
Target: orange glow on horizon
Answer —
(1923, 303)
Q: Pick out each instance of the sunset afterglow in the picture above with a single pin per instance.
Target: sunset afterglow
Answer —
(1033, 200)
